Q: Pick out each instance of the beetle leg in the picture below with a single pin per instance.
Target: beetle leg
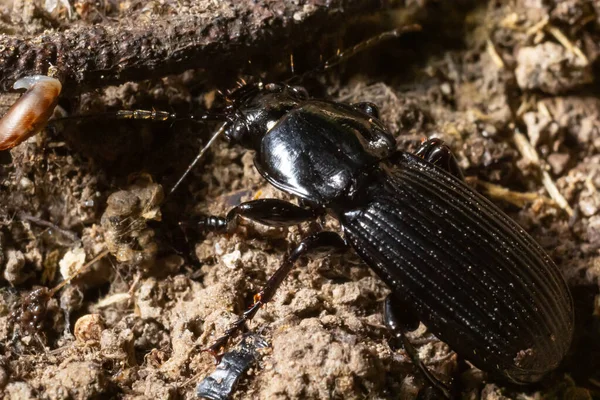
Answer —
(271, 212)
(439, 154)
(320, 241)
(399, 320)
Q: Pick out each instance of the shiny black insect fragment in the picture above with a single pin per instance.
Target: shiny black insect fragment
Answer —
(222, 382)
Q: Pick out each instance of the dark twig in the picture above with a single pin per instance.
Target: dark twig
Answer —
(38, 221)
(203, 35)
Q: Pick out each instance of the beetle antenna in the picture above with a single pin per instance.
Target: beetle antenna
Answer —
(344, 55)
(149, 115)
(214, 137)
(156, 115)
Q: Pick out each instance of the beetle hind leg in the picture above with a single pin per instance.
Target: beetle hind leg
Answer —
(439, 154)
(318, 242)
(400, 320)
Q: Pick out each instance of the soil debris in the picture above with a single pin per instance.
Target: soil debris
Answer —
(551, 68)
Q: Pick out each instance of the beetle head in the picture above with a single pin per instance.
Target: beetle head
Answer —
(255, 108)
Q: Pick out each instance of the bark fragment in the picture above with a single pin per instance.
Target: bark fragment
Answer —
(151, 44)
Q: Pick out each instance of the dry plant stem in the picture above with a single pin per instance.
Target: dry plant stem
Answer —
(537, 27)
(529, 152)
(557, 33)
(519, 199)
(83, 268)
(491, 49)
(225, 33)
(113, 299)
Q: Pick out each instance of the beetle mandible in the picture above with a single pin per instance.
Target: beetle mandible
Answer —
(451, 258)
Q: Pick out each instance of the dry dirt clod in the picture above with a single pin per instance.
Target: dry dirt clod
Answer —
(551, 68)
(12, 269)
(75, 379)
(19, 390)
(127, 236)
(118, 345)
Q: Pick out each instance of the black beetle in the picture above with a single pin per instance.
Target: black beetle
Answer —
(451, 258)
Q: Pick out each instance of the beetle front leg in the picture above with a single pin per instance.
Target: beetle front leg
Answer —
(439, 154)
(400, 320)
(271, 212)
(320, 241)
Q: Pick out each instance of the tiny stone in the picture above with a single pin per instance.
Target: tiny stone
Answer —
(446, 88)
(19, 390)
(26, 183)
(589, 203)
(232, 260)
(593, 229)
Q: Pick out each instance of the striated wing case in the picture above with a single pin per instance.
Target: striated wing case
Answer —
(475, 278)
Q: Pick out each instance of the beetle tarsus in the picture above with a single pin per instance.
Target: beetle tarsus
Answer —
(400, 319)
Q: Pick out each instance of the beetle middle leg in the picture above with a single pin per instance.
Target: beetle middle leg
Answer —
(399, 320)
(439, 154)
(318, 242)
(271, 212)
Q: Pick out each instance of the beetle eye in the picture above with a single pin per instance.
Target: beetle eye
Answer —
(301, 92)
(236, 132)
(368, 108)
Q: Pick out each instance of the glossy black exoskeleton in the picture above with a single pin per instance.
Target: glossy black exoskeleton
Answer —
(451, 258)
(233, 365)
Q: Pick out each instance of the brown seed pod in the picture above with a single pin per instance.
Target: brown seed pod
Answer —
(31, 112)
(89, 328)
